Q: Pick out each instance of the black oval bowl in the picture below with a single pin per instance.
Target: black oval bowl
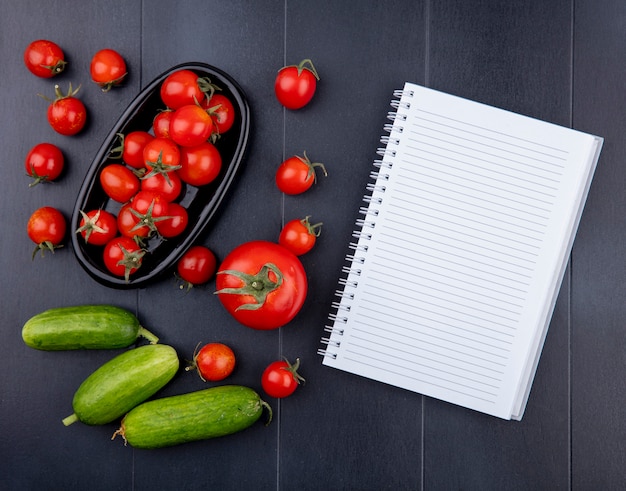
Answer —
(201, 202)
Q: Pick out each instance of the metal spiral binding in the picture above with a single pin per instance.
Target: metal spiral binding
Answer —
(386, 152)
(376, 187)
(388, 140)
(341, 308)
(371, 199)
(367, 211)
(360, 234)
(361, 222)
(358, 247)
(334, 330)
(379, 175)
(351, 270)
(391, 128)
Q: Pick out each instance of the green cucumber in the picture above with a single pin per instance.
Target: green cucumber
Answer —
(199, 415)
(122, 383)
(84, 327)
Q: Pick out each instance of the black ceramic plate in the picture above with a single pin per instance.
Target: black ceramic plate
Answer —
(201, 202)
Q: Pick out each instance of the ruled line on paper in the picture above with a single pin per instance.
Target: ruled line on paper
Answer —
(429, 379)
(484, 131)
(492, 167)
(494, 354)
(444, 369)
(443, 324)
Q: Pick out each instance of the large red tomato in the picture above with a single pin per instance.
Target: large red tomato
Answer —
(262, 284)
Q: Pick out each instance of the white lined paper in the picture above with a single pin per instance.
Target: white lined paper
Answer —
(461, 251)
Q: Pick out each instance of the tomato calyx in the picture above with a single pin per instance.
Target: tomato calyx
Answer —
(158, 167)
(36, 177)
(147, 219)
(205, 85)
(258, 286)
(107, 86)
(313, 229)
(46, 245)
(131, 261)
(294, 370)
(303, 66)
(57, 68)
(312, 165)
(90, 225)
(59, 95)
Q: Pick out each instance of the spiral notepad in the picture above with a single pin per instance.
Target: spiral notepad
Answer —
(460, 250)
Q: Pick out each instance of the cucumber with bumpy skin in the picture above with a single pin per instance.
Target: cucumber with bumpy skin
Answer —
(200, 415)
(122, 383)
(84, 327)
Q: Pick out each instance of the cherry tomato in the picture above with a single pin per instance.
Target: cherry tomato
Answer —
(123, 256)
(67, 114)
(281, 379)
(197, 266)
(161, 156)
(222, 110)
(214, 362)
(299, 236)
(46, 227)
(200, 165)
(44, 162)
(170, 187)
(150, 208)
(44, 58)
(97, 227)
(296, 84)
(128, 224)
(161, 123)
(119, 182)
(175, 223)
(180, 88)
(107, 69)
(262, 284)
(190, 125)
(131, 148)
(297, 174)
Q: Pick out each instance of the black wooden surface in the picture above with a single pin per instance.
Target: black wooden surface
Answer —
(559, 60)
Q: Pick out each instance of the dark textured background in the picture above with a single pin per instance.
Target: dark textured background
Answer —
(559, 60)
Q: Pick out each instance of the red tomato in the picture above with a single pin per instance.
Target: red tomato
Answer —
(46, 227)
(44, 58)
(97, 227)
(175, 223)
(67, 115)
(262, 284)
(296, 84)
(150, 208)
(129, 226)
(222, 111)
(44, 162)
(170, 187)
(200, 165)
(122, 256)
(131, 148)
(161, 123)
(281, 379)
(214, 362)
(119, 182)
(299, 236)
(161, 156)
(180, 88)
(190, 125)
(107, 69)
(297, 174)
(197, 266)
